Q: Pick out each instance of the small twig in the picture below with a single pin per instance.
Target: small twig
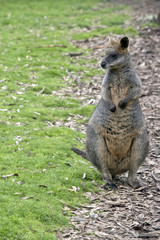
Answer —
(51, 46)
(10, 175)
(155, 178)
(75, 54)
(150, 235)
(72, 54)
(66, 204)
(50, 124)
(88, 207)
(134, 233)
(41, 91)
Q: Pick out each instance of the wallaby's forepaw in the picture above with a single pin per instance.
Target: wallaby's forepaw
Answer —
(110, 185)
(123, 103)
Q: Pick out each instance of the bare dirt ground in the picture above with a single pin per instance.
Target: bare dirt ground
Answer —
(125, 214)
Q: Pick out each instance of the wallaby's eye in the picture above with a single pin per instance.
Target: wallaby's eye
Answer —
(113, 56)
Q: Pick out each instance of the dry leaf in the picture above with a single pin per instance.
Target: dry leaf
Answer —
(43, 186)
(101, 234)
(50, 192)
(74, 189)
(93, 215)
(84, 175)
(10, 175)
(68, 164)
(25, 198)
(20, 183)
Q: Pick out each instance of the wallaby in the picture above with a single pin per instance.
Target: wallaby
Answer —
(116, 138)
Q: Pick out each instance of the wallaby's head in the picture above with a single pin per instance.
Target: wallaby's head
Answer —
(117, 53)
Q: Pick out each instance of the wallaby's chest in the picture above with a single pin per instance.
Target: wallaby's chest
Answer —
(118, 86)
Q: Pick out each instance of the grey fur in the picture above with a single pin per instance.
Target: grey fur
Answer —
(116, 139)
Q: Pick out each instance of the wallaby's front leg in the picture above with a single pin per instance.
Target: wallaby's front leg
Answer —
(133, 93)
(138, 153)
(103, 156)
(106, 96)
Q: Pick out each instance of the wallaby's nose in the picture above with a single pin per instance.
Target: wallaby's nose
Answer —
(103, 64)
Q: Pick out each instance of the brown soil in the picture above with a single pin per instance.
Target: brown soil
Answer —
(125, 214)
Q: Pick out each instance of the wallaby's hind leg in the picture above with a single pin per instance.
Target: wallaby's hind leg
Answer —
(103, 155)
(138, 153)
(97, 153)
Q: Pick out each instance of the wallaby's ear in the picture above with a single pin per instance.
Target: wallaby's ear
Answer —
(124, 42)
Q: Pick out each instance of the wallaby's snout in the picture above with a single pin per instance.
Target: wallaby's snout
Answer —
(103, 64)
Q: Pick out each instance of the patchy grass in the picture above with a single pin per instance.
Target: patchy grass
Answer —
(106, 31)
(150, 20)
(151, 24)
(40, 156)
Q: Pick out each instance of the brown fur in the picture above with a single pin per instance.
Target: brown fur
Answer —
(118, 144)
(114, 43)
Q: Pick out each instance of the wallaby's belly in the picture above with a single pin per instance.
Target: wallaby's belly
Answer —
(119, 151)
(119, 138)
(118, 147)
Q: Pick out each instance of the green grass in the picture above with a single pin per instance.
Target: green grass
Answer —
(40, 155)
(150, 24)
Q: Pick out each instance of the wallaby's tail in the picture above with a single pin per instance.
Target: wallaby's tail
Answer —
(79, 152)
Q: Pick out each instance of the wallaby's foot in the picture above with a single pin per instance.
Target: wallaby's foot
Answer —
(134, 183)
(110, 185)
(123, 103)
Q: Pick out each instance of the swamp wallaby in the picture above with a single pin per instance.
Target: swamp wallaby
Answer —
(116, 139)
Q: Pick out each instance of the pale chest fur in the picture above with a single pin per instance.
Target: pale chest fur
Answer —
(118, 88)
